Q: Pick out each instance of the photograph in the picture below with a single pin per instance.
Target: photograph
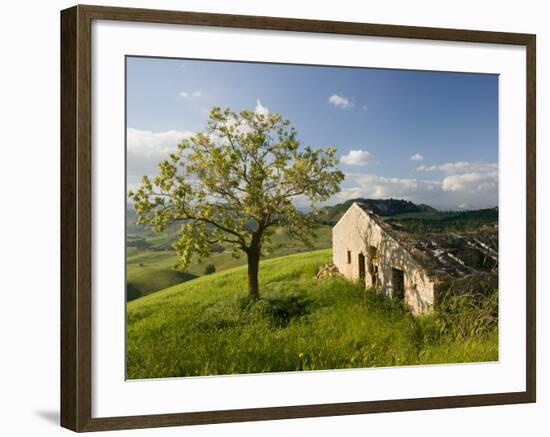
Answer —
(293, 217)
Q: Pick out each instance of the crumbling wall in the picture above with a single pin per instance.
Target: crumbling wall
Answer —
(356, 232)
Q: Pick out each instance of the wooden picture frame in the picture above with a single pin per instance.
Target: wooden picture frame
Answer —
(76, 217)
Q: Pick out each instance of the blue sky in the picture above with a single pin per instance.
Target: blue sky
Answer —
(428, 137)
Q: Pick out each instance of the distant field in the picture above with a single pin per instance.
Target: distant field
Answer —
(151, 268)
(208, 326)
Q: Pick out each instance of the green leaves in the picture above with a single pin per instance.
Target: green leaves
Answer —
(234, 181)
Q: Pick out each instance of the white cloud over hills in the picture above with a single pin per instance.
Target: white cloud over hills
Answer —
(152, 144)
(460, 166)
(471, 182)
(380, 187)
(452, 185)
(145, 149)
(463, 185)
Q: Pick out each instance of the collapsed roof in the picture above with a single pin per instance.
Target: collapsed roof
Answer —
(446, 255)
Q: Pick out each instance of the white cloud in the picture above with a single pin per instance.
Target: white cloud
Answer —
(427, 168)
(365, 108)
(380, 187)
(463, 166)
(357, 157)
(456, 191)
(417, 157)
(471, 182)
(146, 149)
(261, 109)
(151, 144)
(188, 95)
(460, 167)
(340, 101)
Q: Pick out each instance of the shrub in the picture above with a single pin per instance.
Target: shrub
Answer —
(462, 316)
(209, 269)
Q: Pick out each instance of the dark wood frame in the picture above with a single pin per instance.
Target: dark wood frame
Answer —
(76, 219)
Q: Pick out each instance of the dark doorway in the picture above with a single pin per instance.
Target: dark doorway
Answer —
(398, 281)
(362, 267)
(373, 266)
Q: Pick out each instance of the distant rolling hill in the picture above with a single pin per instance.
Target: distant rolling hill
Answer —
(381, 207)
(448, 221)
(416, 218)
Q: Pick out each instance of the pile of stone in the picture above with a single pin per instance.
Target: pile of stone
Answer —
(327, 271)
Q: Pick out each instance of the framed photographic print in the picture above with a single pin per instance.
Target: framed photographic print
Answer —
(268, 218)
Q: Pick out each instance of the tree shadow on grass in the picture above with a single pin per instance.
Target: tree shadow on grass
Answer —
(283, 309)
(279, 309)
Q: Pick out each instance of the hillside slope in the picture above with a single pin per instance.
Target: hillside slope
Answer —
(207, 326)
(382, 207)
(150, 268)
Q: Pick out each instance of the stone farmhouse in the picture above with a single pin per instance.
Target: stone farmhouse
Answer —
(418, 269)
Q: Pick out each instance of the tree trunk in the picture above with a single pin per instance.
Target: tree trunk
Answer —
(253, 269)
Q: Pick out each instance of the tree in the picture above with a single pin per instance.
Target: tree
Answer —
(233, 183)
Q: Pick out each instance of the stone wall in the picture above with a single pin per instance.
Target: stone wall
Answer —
(358, 233)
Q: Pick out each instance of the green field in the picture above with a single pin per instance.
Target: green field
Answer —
(207, 326)
(151, 268)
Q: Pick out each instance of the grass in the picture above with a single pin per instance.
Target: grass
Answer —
(153, 269)
(150, 271)
(208, 326)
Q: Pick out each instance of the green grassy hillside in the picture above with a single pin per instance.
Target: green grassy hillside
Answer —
(151, 259)
(207, 326)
